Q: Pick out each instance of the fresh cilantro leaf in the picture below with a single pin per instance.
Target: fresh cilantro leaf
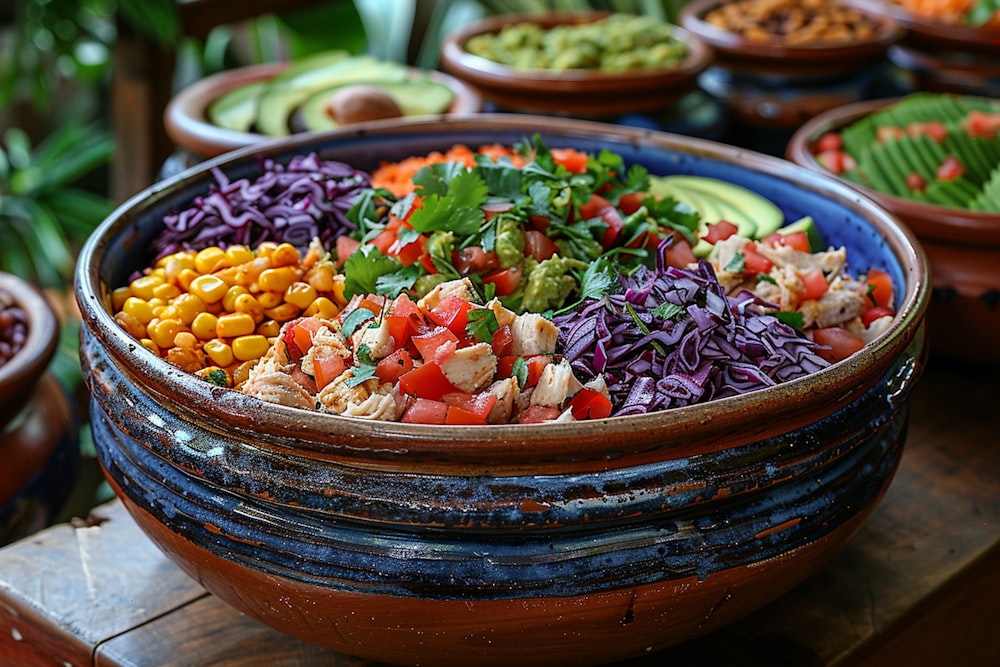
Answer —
(637, 178)
(393, 284)
(765, 278)
(217, 377)
(737, 264)
(355, 319)
(435, 179)
(599, 279)
(369, 208)
(792, 318)
(458, 210)
(363, 268)
(365, 368)
(519, 371)
(502, 178)
(667, 310)
(482, 324)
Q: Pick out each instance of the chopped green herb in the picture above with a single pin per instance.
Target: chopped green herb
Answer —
(792, 318)
(737, 264)
(365, 368)
(355, 319)
(482, 324)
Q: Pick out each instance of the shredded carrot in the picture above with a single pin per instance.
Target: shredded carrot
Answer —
(397, 177)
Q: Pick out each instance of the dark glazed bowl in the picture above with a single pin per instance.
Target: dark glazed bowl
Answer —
(579, 543)
(963, 248)
(739, 54)
(186, 116)
(581, 93)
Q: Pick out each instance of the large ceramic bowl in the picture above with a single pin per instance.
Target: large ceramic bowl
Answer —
(568, 543)
(573, 92)
(963, 247)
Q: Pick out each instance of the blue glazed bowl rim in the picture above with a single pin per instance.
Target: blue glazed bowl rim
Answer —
(771, 410)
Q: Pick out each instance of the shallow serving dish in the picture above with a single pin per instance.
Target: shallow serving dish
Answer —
(963, 248)
(578, 543)
(575, 92)
(775, 58)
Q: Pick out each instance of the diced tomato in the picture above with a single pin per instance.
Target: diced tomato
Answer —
(427, 262)
(841, 343)
(590, 404)
(388, 235)
(474, 260)
(538, 246)
(430, 343)
(874, 313)
(836, 162)
(305, 381)
(391, 368)
(599, 207)
(879, 286)
(593, 207)
(426, 381)
(404, 320)
(345, 247)
(502, 341)
(459, 417)
(982, 124)
(753, 261)
(830, 141)
(537, 414)
(630, 202)
(815, 284)
(539, 222)
(409, 253)
(886, 133)
(950, 169)
(327, 366)
(535, 364)
(933, 129)
(679, 254)
(797, 240)
(505, 280)
(452, 312)
(425, 411)
(298, 337)
(719, 231)
(575, 161)
(478, 405)
(915, 182)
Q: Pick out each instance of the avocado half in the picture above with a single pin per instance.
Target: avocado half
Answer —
(414, 97)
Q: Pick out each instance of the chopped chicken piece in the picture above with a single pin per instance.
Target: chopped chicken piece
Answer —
(504, 316)
(841, 303)
(325, 341)
(461, 287)
(366, 399)
(471, 368)
(278, 387)
(533, 334)
(556, 384)
(376, 338)
(506, 391)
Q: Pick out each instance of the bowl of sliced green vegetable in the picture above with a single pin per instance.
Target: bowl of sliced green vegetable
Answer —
(933, 160)
(500, 389)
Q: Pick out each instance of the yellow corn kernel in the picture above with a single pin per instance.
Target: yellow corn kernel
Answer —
(248, 273)
(203, 325)
(119, 296)
(174, 264)
(219, 352)
(284, 255)
(186, 340)
(301, 294)
(269, 328)
(210, 260)
(277, 280)
(266, 248)
(321, 277)
(185, 277)
(138, 309)
(151, 346)
(338, 290)
(248, 303)
(249, 347)
(143, 286)
(322, 307)
(159, 272)
(166, 291)
(238, 254)
(269, 300)
(167, 312)
(208, 288)
(241, 372)
(283, 312)
(188, 307)
(229, 301)
(229, 275)
(232, 325)
(162, 332)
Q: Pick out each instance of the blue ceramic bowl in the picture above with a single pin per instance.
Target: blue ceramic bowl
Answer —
(575, 543)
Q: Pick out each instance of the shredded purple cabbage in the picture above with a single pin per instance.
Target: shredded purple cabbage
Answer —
(307, 198)
(704, 346)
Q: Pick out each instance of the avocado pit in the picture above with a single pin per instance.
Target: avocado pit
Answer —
(362, 102)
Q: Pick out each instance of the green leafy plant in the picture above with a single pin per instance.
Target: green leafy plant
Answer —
(45, 215)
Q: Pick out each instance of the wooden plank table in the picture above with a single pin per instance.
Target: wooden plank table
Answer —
(919, 585)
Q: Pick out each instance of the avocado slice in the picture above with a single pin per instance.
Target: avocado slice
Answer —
(710, 209)
(415, 97)
(758, 210)
(237, 109)
(286, 92)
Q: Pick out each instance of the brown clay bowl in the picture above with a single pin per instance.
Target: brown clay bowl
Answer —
(38, 442)
(581, 93)
(737, 53)
(925, 33)
(963, 248)
(186, 120)
(580, 543)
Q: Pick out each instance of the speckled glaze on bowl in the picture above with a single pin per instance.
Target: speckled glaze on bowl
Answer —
(579, 543)
(963, 248)
(185, 119)
(574, 92)
(739, 54)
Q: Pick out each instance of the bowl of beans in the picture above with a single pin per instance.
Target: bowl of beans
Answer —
(502, 389)
(576, 63)
(39, 440)
(792, 37)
